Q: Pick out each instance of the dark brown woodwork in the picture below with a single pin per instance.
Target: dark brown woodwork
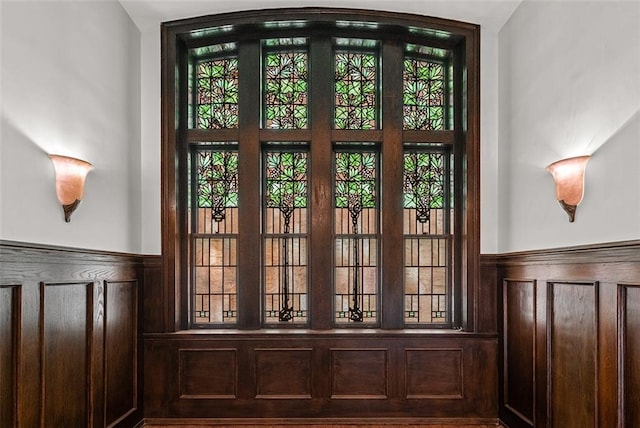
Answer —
(519, 345)
(434, 373)
(120, 350)
(206, 373)
(284, 373)
(575, 363)
(572, 353)
(10, 302)
(329, 374)
(629, 354)
(68, 337)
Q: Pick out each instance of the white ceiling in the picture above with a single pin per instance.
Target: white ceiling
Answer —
(492, 14)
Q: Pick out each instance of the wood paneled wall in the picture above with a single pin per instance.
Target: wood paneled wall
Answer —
(570, 336)
(69, 337)
(321, 375)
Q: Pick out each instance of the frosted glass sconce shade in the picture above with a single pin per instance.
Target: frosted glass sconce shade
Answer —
(71, 174)
(568, 175)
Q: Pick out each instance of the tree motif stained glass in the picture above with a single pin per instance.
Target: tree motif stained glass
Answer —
(217, 175)
(217, 93)
(424, 95)
(286, 89)
(427, 239)
(355, 90)
(214, 237)
(356, 237)
(423, 188)
(285, 240)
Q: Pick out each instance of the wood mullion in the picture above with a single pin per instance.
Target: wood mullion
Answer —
(321, 200)
(249, 254)
(392, 175)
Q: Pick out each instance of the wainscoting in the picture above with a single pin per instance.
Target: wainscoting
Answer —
(321, 374)
(69, 337)
(570, 348)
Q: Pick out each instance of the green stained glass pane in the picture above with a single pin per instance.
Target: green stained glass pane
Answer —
(355, 180)
(355, 86)
(286, 89)
(217, 94)
(286, 180)
(424, 183)
(424, 94)
(217, 181)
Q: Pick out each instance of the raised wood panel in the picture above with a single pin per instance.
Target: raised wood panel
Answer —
(66, 320)
(519, 311)
(207, 373)
(434, 373)
(283, 373)
(120, 350)
(359, 373)
(10, 301)
(629, 359)
(572, 353)
(67, 357)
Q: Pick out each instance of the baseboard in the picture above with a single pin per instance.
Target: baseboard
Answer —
(212, 422)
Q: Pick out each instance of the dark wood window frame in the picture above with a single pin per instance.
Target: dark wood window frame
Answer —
(395, 29)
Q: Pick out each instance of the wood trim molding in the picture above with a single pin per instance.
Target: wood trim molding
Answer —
(610, 252)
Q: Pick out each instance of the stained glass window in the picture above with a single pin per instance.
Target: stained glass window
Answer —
(427, 236)
(355, 86)
(285, 237)
(214, 239)
(424, 94)
(215, 101)
(356, 243)
(286, 84)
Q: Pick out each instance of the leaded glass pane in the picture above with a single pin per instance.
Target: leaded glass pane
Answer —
(286, 85)
(427, 236)
(355, 86)
(424, 94)
(216, 93)
(285, 237)
(214, 238)
(356, 243)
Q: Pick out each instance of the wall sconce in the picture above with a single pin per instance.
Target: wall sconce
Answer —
(70, 177)
(568, 175)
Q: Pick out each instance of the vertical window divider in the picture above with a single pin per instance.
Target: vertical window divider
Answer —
(249, 180)
(321, 184)
(392, 288)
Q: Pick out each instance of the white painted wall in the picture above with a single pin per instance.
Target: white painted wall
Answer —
(569, 85)
(70, 84)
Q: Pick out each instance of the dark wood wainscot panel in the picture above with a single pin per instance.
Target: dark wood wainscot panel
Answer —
(570, 336)
(319, 375)
(10, 300)
(629, 357)
(68, 337)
